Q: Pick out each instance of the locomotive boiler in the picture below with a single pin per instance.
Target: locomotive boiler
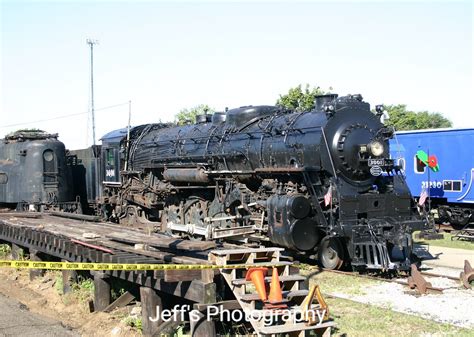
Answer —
(319, 182)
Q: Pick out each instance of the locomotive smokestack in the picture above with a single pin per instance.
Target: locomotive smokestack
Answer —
(321, 100)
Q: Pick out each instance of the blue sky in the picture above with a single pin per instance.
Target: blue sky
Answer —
(165, 56)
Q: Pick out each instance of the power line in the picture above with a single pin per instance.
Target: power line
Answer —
(64, 116)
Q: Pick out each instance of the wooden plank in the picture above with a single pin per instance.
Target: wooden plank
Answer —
(122, 301)
(281, 329)
(69, 278)
(286, 295)
(101, 291)
(34, 273)
(163, 242)
(202, 327)
(263, 264)
(268, 279)
(188, 260)
(196, 290)
(22, 215)
(75, 228)
(150, 301)
(163, 256)
(246, 250)
(16, 251)
(207, 275)
(181, 275)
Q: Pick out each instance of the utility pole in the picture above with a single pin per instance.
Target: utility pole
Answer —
(91, 43)
(95, 151)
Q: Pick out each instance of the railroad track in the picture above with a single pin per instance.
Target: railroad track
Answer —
(415, 281)
(424, 273)
(448, 228)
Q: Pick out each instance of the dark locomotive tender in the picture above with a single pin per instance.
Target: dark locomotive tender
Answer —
(261, 173)
(34, 174)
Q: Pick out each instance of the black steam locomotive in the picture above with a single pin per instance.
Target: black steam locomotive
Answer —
(320, 182)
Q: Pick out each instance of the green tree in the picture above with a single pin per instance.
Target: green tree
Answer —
(299, 99)
(403, 119)
(186, 115)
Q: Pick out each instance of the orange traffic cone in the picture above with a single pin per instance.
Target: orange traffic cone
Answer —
(275, 296)
(256, 275)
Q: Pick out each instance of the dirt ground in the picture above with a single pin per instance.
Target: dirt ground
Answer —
(449, 257)
(42, 296)
(17, 320)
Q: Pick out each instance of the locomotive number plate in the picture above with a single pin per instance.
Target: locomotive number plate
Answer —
(376, 162)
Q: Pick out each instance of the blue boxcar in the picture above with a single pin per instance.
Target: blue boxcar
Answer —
(451, 184)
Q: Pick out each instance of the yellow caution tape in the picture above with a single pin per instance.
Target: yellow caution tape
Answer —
(119, 266)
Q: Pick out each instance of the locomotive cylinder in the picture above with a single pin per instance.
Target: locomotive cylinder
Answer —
(186, 175)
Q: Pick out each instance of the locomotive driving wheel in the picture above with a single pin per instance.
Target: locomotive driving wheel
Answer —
(331, 253)
(171, 214)
(194, 214)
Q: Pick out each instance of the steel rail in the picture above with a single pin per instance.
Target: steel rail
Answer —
(370, 277)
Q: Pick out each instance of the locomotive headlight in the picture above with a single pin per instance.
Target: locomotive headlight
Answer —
(48, 155)
(376, 148)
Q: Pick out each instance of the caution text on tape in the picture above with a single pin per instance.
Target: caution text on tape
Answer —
(119, 266)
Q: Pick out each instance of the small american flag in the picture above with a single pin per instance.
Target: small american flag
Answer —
(328, 196)
(423, 196)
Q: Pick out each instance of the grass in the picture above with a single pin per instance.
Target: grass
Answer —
(447, 242)
(83, 289)
(355, 319)
(118, 287)
(333, 283)
(134, 322)
(58, 284)
(5, 251)
(114, 294)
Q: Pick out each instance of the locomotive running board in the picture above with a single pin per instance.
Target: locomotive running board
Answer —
(219, 233)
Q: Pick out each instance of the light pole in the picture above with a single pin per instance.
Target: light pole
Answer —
(91, 43)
